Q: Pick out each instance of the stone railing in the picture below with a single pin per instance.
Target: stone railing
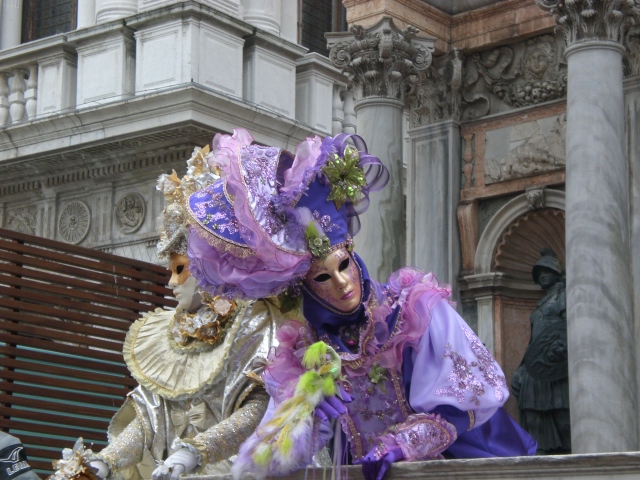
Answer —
(18, 94)
(180, 45)
(603, 466)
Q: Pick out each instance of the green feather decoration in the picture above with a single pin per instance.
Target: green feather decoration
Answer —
(346, 177)
(317, 242)
(315, 355)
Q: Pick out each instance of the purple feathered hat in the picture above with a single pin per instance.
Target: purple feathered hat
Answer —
(257, 230)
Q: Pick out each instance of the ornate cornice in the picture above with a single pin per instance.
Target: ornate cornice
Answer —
(101, 161)
(587, 20)
(435, 96)
(380, 61)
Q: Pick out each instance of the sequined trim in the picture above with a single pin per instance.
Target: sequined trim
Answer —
(486, 364)
(461, 378)
(353, 431)
(261, 173)
(230, 198)
(472, 419)
(423, 436)
(398, 387)
(219, 243)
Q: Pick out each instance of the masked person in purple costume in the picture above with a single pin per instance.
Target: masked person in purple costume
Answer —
(413, 382)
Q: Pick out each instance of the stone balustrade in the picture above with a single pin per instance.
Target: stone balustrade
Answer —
(119, 60)
(18, 94)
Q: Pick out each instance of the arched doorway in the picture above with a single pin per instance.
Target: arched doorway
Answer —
(502, 284)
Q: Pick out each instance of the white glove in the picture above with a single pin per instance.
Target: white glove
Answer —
(182, 461)
(101, 467)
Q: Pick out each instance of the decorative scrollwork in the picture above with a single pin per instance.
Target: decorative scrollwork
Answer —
(584, 20)
(74, 222)
(381, 61)
(519, 75)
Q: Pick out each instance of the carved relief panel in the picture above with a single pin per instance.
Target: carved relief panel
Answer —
(520, 75)
(513, 152)
(525, 149)
(21, 220)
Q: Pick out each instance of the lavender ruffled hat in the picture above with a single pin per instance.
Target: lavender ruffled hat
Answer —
(257, 230)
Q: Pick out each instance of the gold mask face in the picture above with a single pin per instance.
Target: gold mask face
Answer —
(336, 280)
(183, 284)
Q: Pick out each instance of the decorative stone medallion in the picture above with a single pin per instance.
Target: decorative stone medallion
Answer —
(130, 213)
(74, 222)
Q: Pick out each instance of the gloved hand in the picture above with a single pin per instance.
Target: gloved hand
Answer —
(182, 461)
(102, 469)
(332, 407)
(375, 464)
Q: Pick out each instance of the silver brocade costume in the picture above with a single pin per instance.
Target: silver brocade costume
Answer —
(197, 396)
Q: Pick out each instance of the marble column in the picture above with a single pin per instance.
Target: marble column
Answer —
(602, 376)
(434, 170)
(381, 61)
(632, 103)
(108, 10)
(264, 14)
(86, 13)
(10, 24)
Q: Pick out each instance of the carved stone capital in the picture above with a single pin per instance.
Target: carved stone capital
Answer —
(382, 60)
(585, 20)
(435, 95)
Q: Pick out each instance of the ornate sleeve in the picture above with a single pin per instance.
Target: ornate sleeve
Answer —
(223, 439)
(452, 367)
(125, 450)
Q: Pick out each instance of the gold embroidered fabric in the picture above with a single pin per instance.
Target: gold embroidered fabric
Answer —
(160, 365)
(126, 452)
(164, 420)
(224, 439)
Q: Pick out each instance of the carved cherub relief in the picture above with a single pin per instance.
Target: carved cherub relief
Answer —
(520, 75)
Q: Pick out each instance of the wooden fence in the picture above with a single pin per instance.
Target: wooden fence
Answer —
(64, 313)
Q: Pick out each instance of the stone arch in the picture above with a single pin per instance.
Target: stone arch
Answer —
(518, 249)
(502, 220)
(506, 294)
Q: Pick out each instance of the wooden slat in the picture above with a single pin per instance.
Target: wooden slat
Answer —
(48, 344)
(114, 280)
(20, 414)
(39, 464)
(57, 335)
(70, 373)
(63, 261)
(114, 390)
(54, 318)
(74, 249)
(61, 430)
(40, 390)
(54, 406)
(72, 293)
(74, 306)
(82, 284)
(61, 359)
(28, 440)
(47, 300)
(32, 451)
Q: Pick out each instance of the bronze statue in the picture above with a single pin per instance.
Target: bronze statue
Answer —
(541, 383)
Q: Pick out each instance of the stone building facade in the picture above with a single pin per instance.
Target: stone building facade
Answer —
(507, 126)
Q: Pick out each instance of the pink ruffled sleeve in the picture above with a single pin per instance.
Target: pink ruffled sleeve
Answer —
(452, 367)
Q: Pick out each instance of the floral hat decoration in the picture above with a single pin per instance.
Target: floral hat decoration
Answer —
(175, 218)
(256, 231)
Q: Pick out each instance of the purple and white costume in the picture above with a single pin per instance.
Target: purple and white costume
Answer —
(422, 385)
(420, 379)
